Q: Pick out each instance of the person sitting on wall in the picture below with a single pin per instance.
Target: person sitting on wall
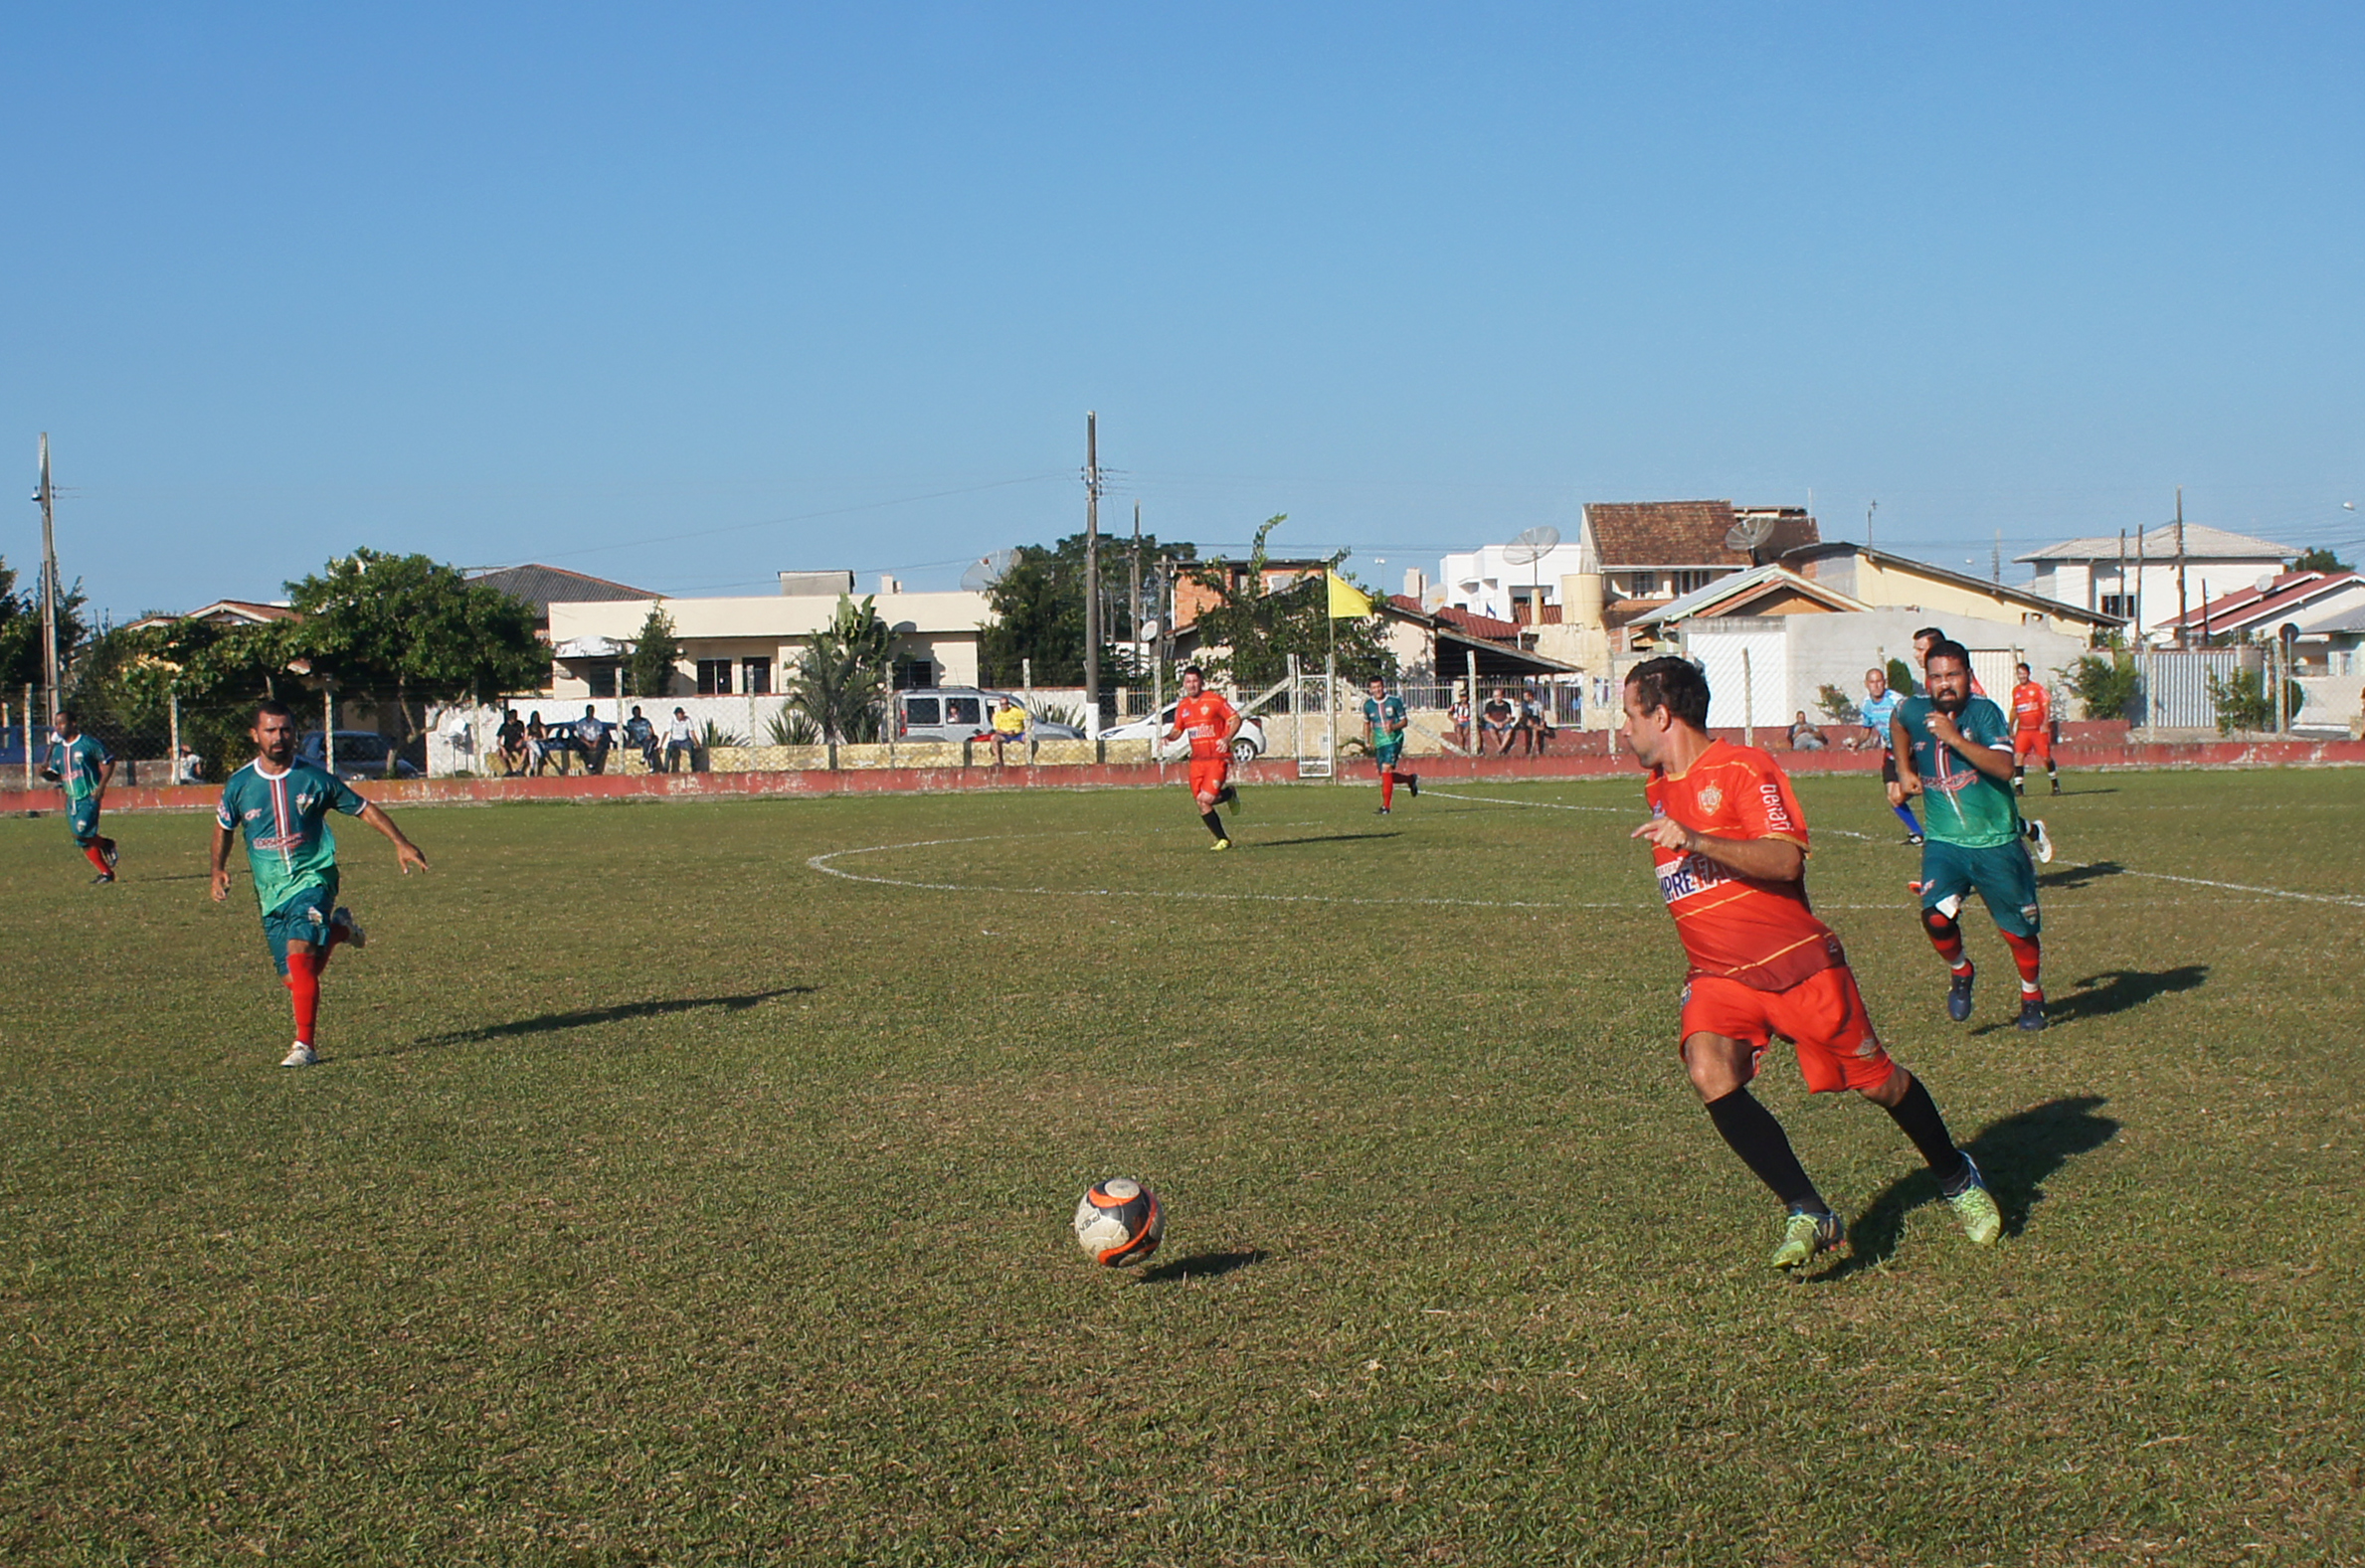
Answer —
(1500, 719)
(1805, 737)
(1010, 724)
(591, 739)
(511, 738)
(642, 735)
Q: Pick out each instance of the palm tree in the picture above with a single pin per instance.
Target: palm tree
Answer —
(840, 682)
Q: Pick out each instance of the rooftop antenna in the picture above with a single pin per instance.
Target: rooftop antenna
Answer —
(1751, 531)
(987, 571)
(1527, 550)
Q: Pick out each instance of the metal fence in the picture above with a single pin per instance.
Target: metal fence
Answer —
(168, 741)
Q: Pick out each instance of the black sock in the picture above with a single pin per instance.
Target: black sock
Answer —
(1765, 1148)
(1215, 823)
(1916, 1116)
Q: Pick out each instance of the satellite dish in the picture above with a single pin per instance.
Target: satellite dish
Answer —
(986, 571)
(2264, 584)
(1748, 534)
(1532, 546)
(1148, 632)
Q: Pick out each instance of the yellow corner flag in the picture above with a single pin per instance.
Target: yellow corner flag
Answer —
(1348, 601)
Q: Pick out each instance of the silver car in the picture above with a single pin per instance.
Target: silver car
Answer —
(1247, 746)
(963, 713)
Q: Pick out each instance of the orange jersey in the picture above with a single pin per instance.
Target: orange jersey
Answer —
(1206, 718)
(1762, 934)
(2032, 707)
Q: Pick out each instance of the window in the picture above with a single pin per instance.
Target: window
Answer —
(964, 710)
(714, 677)
(921, 711)
(754, 678)
(2116, 604)
(1643, 584)
(602, 678)
(913, 674)
(1680, 582)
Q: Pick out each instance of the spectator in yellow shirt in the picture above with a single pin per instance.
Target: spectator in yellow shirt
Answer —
(1010, 724)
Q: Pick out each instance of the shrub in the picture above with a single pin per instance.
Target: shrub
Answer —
(1837, 705)
(2246, 702)
(792, 727)
(714, 734)
(2105, 684)
(1901, 678)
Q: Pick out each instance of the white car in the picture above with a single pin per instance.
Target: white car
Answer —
(1247, 746)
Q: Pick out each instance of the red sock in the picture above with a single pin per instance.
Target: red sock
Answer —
(98, 857)
(2029, 954)
(1946, 937)
(304, 979)
(1387, 787)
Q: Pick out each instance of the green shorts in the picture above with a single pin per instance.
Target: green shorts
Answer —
(303, 918)
(83, 817)
(2004, 875)
(1386, 752)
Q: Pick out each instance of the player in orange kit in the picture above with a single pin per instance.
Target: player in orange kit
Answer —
(1731, 846)
(1210, 721)
(2032, 731)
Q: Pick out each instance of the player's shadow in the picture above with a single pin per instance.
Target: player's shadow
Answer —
(2079, 876)
(587, 1017)
(2015, 1156)
(1318, 838)
(2117, 990)
(1201, 1266)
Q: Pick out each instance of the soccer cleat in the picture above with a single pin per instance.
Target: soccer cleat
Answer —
(1231, 797)
(2032, 1013)
(1913, 840)
(1806, 1235)
(1913, 889)
(2043, 840)
(355, 936)
(103, 879)
(1382, 811)
(1982, 1222)
(2057, 786)
(1221, 843)
(300, 1055)
(1958, 996)
(1411, 784)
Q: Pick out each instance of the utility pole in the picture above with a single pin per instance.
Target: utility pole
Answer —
(2181, 566)
(1870, 507)
(1092, 569)
(1133, 600)
(48, 588)
(1995, 558)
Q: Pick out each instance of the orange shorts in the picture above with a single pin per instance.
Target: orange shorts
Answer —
(2033, 743)
(1207, 774)
(1822, 1016)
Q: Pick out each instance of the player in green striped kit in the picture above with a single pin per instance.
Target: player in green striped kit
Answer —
(282, 805)
(1383, 727)
(84, 767)
(1954, 749)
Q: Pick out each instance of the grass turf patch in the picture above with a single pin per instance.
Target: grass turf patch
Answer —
(665, 1198)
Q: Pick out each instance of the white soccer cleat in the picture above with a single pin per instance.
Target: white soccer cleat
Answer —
(343, 919)
(2036, 830)
(301, 1055)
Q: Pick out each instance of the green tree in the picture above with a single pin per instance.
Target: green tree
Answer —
(1901, 677)
(650, 671)
(1248, 634)
(1039, 611)
(2321, 559)
(2104, 683)
(412, 631)
(840, 683)
(20, 632)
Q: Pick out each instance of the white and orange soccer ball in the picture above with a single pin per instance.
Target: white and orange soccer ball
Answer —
(1120, 1221)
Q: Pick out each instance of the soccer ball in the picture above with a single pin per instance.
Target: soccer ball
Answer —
(1120, 1221)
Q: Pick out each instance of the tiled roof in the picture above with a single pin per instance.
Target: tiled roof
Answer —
(1478, 625)
(1633, 534)
(543, 586)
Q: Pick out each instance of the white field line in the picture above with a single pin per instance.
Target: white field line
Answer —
(2242, 887)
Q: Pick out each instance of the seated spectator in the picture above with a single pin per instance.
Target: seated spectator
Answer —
(1536, 724)
(1497, 718)
(591, 739)
(537, 742)
(1805, 737)
(681, 744)
(642, 735)
(188, 767)
(510, 741)
(1010, 724)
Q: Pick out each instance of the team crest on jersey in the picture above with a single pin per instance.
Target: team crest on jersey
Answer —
(1710, 798)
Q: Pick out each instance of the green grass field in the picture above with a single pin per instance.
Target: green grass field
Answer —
(665, 1199)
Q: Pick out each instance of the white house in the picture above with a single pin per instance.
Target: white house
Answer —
(1644, 551)
(2147, 578)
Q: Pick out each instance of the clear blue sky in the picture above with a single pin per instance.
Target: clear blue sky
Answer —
(687, 294)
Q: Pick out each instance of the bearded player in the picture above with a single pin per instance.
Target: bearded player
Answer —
(1730, 845)
(84, 765)
(1384, 723)
(1955, 750)
(1210, 721)
(283, 805)
(2032, 731)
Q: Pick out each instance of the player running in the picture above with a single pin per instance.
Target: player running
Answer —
(1874, 713)
(1955, 748)
(1929, 638)
(84, 764)
(283, 805)
(1210, 721)
(2032, 731)
(1730, 847)
(1383, 728)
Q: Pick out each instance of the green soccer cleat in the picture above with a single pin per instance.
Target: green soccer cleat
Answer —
(1806, 1235)
(1981, 1220)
